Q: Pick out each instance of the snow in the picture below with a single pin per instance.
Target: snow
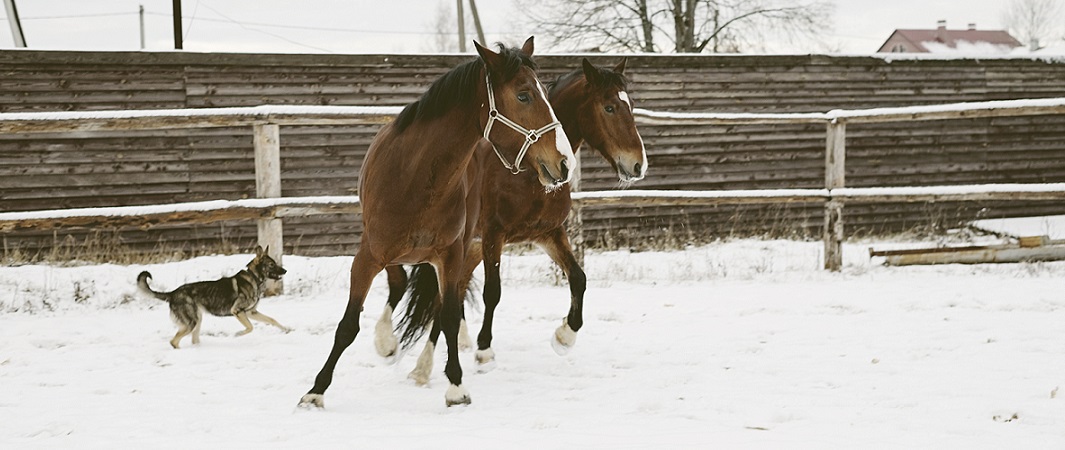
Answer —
(1050, 226)
(744, 344)
(679, 118)
(967, 48)
(250, 111)
(210, 205)
(1033, 188)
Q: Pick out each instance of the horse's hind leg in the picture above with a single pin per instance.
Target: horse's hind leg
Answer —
(384, 334)
(492, 249)
(473, 258)
(363, 270)
(424, 368)
(558, 248)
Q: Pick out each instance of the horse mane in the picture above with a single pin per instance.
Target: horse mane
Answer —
(609, 76)
(456, 87)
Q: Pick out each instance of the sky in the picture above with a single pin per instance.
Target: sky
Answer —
(397, 26)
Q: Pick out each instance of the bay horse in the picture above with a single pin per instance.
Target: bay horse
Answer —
(593, 105)
(420, 196)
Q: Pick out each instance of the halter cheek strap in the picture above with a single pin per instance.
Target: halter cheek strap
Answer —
(531, 136)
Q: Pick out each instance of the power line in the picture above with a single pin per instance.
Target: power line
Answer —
(309, 28)
(244, 26)
(77, 16)
(258, 24)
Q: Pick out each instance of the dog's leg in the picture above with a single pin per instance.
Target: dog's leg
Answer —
(183, 331)
(256, 315)
(196, 329)
(243, 318)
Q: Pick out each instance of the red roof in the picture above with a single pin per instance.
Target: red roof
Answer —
(950, 38)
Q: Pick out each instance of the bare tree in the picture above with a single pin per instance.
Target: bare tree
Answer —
(689, 26)
(1034, 22)
(443, 26)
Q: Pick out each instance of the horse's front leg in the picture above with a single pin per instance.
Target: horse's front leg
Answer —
(557, 246)
(450, 314)
(363, 270)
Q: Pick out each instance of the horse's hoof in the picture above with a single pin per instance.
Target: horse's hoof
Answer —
(384, 339)
(457, 395)
(312, 401)
(386, 345)
(564, 339)
(486, 360)
(420, 377)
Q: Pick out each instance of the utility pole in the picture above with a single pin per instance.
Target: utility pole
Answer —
(477, 22)
(16, 24)
(177, 25)
(142, 26)
(462, 27)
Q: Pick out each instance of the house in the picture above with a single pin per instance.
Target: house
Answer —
(942, 40)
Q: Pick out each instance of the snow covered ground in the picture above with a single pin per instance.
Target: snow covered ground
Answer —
(745, 344)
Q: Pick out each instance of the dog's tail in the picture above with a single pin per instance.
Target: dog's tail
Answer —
(142, 283)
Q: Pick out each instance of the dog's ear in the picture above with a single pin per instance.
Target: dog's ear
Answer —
(259, 251)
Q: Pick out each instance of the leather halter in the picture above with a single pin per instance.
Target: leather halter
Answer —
(531, 136)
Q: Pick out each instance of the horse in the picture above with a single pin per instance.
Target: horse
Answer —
(593, 105)
(420, 194)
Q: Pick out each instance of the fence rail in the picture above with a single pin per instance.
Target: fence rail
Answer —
(270, 208)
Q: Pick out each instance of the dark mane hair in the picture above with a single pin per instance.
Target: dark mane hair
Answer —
(456, 87)
(610, 78)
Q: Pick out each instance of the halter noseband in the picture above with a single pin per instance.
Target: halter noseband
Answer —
(531, 136)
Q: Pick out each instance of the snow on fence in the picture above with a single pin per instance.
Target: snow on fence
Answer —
(270, 207)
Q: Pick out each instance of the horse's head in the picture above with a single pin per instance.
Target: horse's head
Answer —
(518, 120)
(605, 119)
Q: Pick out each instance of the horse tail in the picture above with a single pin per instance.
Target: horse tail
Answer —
(423, 288)
(142, 283)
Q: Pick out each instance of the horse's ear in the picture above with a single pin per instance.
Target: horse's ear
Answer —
(527, 47)
(620, 68)
(491, 59)
(591, 73)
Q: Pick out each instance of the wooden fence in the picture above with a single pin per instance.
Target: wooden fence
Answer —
(78, 169)
(266, 121)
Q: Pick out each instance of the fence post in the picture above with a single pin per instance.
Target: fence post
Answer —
(576, 222)
(835, 156)
(268, 185)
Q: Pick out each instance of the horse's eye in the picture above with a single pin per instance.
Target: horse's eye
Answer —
(524, 97)
(609, 109)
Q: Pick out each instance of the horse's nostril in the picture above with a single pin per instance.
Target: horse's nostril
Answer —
(636, 169)
(565, 170)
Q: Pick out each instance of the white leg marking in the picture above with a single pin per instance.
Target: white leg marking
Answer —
(486, 360)
(384, 338)
(457, 395)
(465, 344)
(564, 339)
(309, 401)
(421, 371)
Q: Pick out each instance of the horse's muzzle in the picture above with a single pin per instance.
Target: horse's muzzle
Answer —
(553, 178)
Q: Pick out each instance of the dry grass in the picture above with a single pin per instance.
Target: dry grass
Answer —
(105, 246)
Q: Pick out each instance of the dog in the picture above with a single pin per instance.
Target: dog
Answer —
(237, 295)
